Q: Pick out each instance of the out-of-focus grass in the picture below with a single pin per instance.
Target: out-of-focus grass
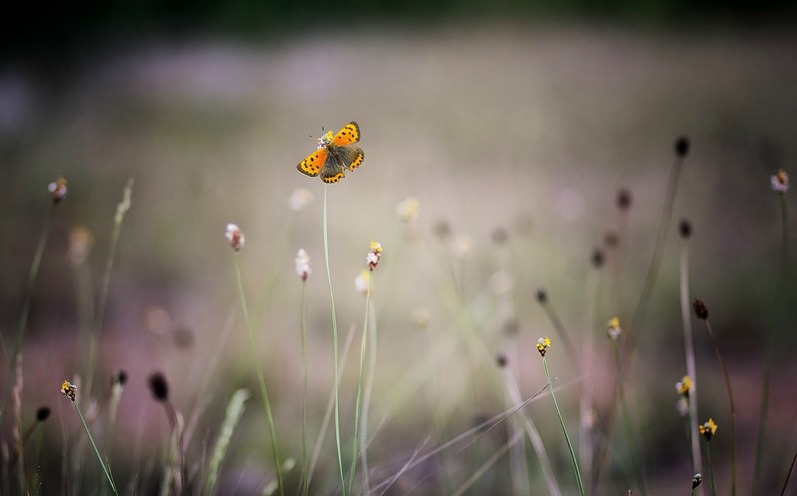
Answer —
(529, 128)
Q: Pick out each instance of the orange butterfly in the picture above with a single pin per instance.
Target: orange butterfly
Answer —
(334, 155)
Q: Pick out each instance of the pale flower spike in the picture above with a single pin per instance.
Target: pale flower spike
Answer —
(303, 268)
(613, 329)
(373, 256)
(780, 181)
(58, 189)
(235, 236)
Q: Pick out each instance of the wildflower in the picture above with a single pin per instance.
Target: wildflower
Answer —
(684, 386)
(303, 268)
(300, 199)
(780, 181)
(361, 282)
(708, 429)
(57, 189)
(409, 210)
(69, 390)
(700, 308)
(420, 317)
(697, 479)
(462, 247)
(543, 344)
(235, 236)
(374, 255)
(613, 329)
(80, 243)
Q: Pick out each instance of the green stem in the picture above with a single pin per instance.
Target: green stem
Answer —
(691, 364)
(711, 470)
(105, 469)
(334, 345)
(729, 390)
(23, 318)
(769, 346)
(121, 210)
(260, 375)
(305, 481)
(629, 430)
(573, 458)
(358, 402)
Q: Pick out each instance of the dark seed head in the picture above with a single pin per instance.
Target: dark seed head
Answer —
(159, 387)
(119, 378)
(685, 228)
(500, 360)
(42, 413)
(597, 258)
(624, 199)
(701, 310)
(682, 147)
(542, 296)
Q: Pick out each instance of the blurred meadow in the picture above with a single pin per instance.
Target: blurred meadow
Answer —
(515, 133)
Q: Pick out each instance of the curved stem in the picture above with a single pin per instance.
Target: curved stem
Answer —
(260, 376)
(573, 458)
(334, 345)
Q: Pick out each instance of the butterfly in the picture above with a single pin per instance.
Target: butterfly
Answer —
(334, 155)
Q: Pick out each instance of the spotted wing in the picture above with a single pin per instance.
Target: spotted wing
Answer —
(314, 163)
(332, 171)
(350, 134)
(353, 156)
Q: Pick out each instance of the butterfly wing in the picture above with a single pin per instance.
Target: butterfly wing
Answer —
(314, 163)
(332, 171)
(353, 156)
(348, 135)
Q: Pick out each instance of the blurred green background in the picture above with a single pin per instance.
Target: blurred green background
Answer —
(521, 116)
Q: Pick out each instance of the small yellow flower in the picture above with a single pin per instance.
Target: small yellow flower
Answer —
(613, 329)
(708, 429)
(543, 344)
(69, 390)
(684, 386)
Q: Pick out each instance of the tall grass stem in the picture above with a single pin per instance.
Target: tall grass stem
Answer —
(573, 458)
(334, 346)
(260, 376)
(769, 347)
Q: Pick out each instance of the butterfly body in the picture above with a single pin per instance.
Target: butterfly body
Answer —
(334, 155)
